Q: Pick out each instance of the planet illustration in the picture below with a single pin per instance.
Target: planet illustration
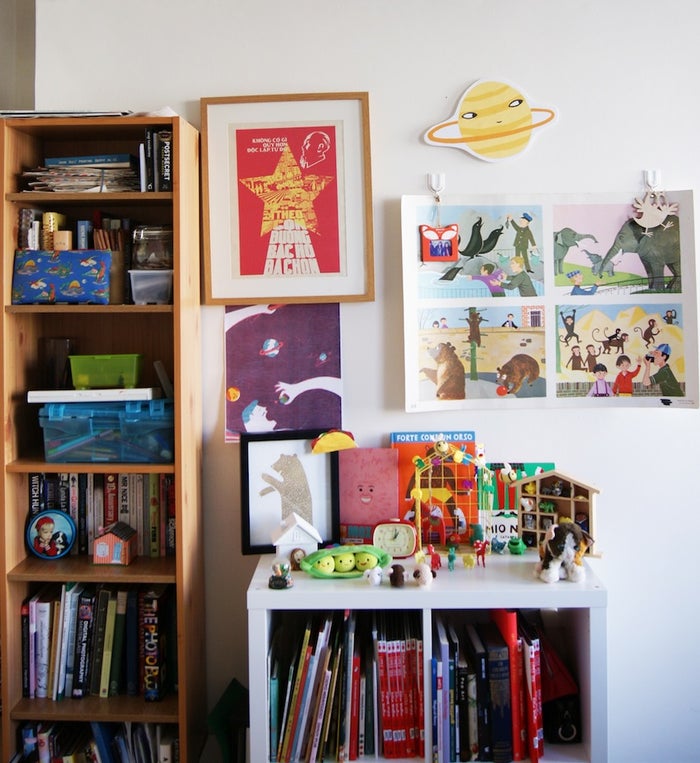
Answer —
(493, 121)
(322, 359)
(233, 394)
(271, 348)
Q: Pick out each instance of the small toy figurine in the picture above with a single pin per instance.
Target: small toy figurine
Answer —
(498, 546)
(397, 576)
(469, 561)
(435, 559)
(516, 545)
(451, 556)
(295, 557)
(374, 575)
(424, 575)
(561, 553)
(480, 547)
(281, 576)
(477, 533)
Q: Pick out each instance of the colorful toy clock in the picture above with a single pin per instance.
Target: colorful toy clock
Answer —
(395, 536)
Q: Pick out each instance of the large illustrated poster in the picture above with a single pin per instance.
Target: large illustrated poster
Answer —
(550, 300)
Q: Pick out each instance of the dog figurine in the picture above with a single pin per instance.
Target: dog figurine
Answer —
(561, 553)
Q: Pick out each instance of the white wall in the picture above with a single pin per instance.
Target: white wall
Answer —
(622, 76)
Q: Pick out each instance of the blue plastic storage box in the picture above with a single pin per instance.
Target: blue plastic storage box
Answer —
(131, 431)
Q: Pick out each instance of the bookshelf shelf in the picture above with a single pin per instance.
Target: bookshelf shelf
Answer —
(166, 333)
(506, 582)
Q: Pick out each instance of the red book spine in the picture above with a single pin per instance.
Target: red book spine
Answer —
(111, 500)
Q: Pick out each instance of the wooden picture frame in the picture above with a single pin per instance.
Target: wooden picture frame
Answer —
(287, 198)
(280, 474)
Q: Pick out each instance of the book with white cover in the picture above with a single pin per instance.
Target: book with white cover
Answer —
(115, 395)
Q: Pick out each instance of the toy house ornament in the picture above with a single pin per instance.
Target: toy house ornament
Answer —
(116, 544)
(547, 498)
(295, 533)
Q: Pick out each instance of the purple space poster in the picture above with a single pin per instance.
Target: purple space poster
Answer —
(282, 368)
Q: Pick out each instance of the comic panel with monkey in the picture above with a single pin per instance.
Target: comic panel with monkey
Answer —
(619, 350)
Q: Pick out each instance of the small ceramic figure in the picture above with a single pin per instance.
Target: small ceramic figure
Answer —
(281, 576)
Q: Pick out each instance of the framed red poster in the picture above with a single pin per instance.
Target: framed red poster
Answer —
(287, 199)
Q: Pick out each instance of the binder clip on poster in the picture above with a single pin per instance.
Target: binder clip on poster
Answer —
(438, 243)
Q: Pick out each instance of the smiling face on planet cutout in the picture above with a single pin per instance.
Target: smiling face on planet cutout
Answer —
(493, 121)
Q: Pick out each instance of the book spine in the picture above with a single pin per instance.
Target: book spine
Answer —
(73, 502)
(24, 618)
(50, 488)
(64, 492)
(83, 232)
(151, 625)
(111, 507)
(83, 640)
(165, 160)
(148, 152)
(111, 160)
(82, 513)
(170, 512)
(98, 509)
(35, 493)
(123, 499)
(131, 649)
(43, 647)
(154, 515)
(98, 641)
(136, 509)
(108, 648)
(115, 671)
(72, 618)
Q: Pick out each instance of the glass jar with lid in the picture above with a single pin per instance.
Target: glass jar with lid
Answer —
(153, 247)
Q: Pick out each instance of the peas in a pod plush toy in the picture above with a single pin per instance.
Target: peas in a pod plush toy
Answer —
(344, 561)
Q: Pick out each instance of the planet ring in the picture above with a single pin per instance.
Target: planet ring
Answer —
(432, 133)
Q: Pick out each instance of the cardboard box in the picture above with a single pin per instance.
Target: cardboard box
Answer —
(52, 277)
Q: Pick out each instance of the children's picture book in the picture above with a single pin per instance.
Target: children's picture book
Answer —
(447, 487)
(368, 491)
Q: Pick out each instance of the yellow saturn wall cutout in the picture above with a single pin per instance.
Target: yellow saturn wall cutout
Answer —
(494, 121)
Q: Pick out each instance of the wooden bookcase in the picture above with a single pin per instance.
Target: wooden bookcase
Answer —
(506, 581)
(169, 333)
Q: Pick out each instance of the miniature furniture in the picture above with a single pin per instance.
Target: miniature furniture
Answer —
(545, 498)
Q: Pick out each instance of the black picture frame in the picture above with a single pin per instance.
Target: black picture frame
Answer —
(311, 491)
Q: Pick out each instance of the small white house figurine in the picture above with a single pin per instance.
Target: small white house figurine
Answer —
(295, 533)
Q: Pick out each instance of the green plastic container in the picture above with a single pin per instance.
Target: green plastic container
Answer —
(95, 371)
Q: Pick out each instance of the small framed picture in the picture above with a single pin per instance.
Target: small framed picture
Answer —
(281, 476)
(50, 534)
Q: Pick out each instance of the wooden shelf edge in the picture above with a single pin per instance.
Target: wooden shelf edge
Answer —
(81, 569)
(120, 708)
